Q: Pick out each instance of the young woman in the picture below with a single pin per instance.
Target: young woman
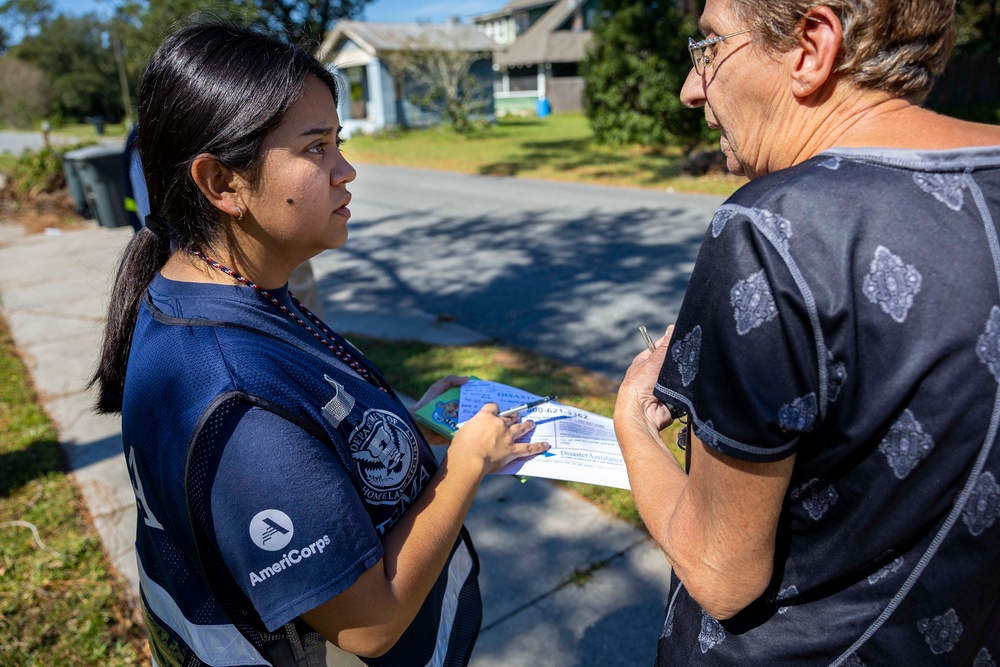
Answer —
(285, 495)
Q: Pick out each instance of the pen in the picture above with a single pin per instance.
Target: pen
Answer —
(525, 406)
(645, 337)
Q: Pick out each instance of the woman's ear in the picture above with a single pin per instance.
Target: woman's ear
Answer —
(220, 185)
(816, 54)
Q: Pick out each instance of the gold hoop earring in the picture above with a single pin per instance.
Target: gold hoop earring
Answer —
(240, 217)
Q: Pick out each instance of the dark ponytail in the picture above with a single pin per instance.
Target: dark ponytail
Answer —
(209, 89)
(144, 256)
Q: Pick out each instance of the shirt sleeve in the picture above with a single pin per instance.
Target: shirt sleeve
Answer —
(744, 355)
(289, 523)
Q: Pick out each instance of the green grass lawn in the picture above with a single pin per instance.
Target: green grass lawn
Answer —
(87, 131)
(559, 147)
(60, 602)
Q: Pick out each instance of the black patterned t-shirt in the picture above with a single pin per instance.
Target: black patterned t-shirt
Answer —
(847, 310)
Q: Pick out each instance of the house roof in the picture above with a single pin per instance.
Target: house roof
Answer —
(543, 43)
(515, 5)
(376, 38)
(512, 7)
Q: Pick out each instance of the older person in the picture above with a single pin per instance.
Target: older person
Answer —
(837, 354)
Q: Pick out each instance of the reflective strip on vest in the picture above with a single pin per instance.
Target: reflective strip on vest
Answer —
(217, 645)
(458, 573)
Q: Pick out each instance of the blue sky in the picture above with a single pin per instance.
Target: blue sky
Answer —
(436, 11)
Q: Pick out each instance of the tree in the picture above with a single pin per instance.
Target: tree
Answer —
(436, 73)
(633, 74)
(969, 87)
(304, 22)
(978, 27)
(145, 24)
(27, 15)
(75, 55)
(24, 93)
(142, 25)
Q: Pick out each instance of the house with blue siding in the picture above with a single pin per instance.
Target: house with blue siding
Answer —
(375, 97)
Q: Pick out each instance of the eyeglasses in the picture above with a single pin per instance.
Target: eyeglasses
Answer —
(699, 56)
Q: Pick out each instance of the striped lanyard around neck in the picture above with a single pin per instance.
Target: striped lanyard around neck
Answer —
(318, 330)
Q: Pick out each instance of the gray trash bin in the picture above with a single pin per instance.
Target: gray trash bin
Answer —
(75, 186)
(102, 182)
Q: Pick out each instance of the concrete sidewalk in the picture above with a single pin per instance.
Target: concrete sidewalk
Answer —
(563, 584)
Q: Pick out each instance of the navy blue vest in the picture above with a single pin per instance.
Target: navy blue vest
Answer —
(186, 379)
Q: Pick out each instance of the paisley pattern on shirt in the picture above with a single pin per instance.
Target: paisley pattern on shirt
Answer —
(832, 164)
(786, 594)
(752, 303)
(836, 375)
(712, 633)
(946, 188)
(707, 434)
(905, 445)
(777, 228)
(800, 414)
(668, 624)
(984, 659)
(889, 569)
(983, 506)
(891, 284)
(817, 497)
(941, 632)
(988, 345)
(719, 220)
(686, 353)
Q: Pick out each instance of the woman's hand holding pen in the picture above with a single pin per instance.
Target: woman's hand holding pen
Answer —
(636, 402)
(490, 441)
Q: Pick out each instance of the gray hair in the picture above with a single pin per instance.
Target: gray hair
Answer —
(897, 46)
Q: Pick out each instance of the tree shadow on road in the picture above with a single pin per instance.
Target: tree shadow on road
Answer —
(534, 280)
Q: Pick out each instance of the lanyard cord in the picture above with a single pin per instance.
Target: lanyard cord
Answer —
(327, 338)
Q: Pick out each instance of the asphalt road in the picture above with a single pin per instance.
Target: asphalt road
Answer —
(15, 142)
(568, 270)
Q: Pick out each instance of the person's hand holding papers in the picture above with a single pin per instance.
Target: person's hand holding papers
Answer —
(494, 441)
(584, 448)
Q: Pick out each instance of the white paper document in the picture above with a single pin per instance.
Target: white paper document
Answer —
(584, 447)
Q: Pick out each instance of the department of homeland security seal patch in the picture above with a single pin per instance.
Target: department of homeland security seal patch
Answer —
(385, 454)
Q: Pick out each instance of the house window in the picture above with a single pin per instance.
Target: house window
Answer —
(357, 81)
(522, 22)
(523, 78)
(565, 69)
